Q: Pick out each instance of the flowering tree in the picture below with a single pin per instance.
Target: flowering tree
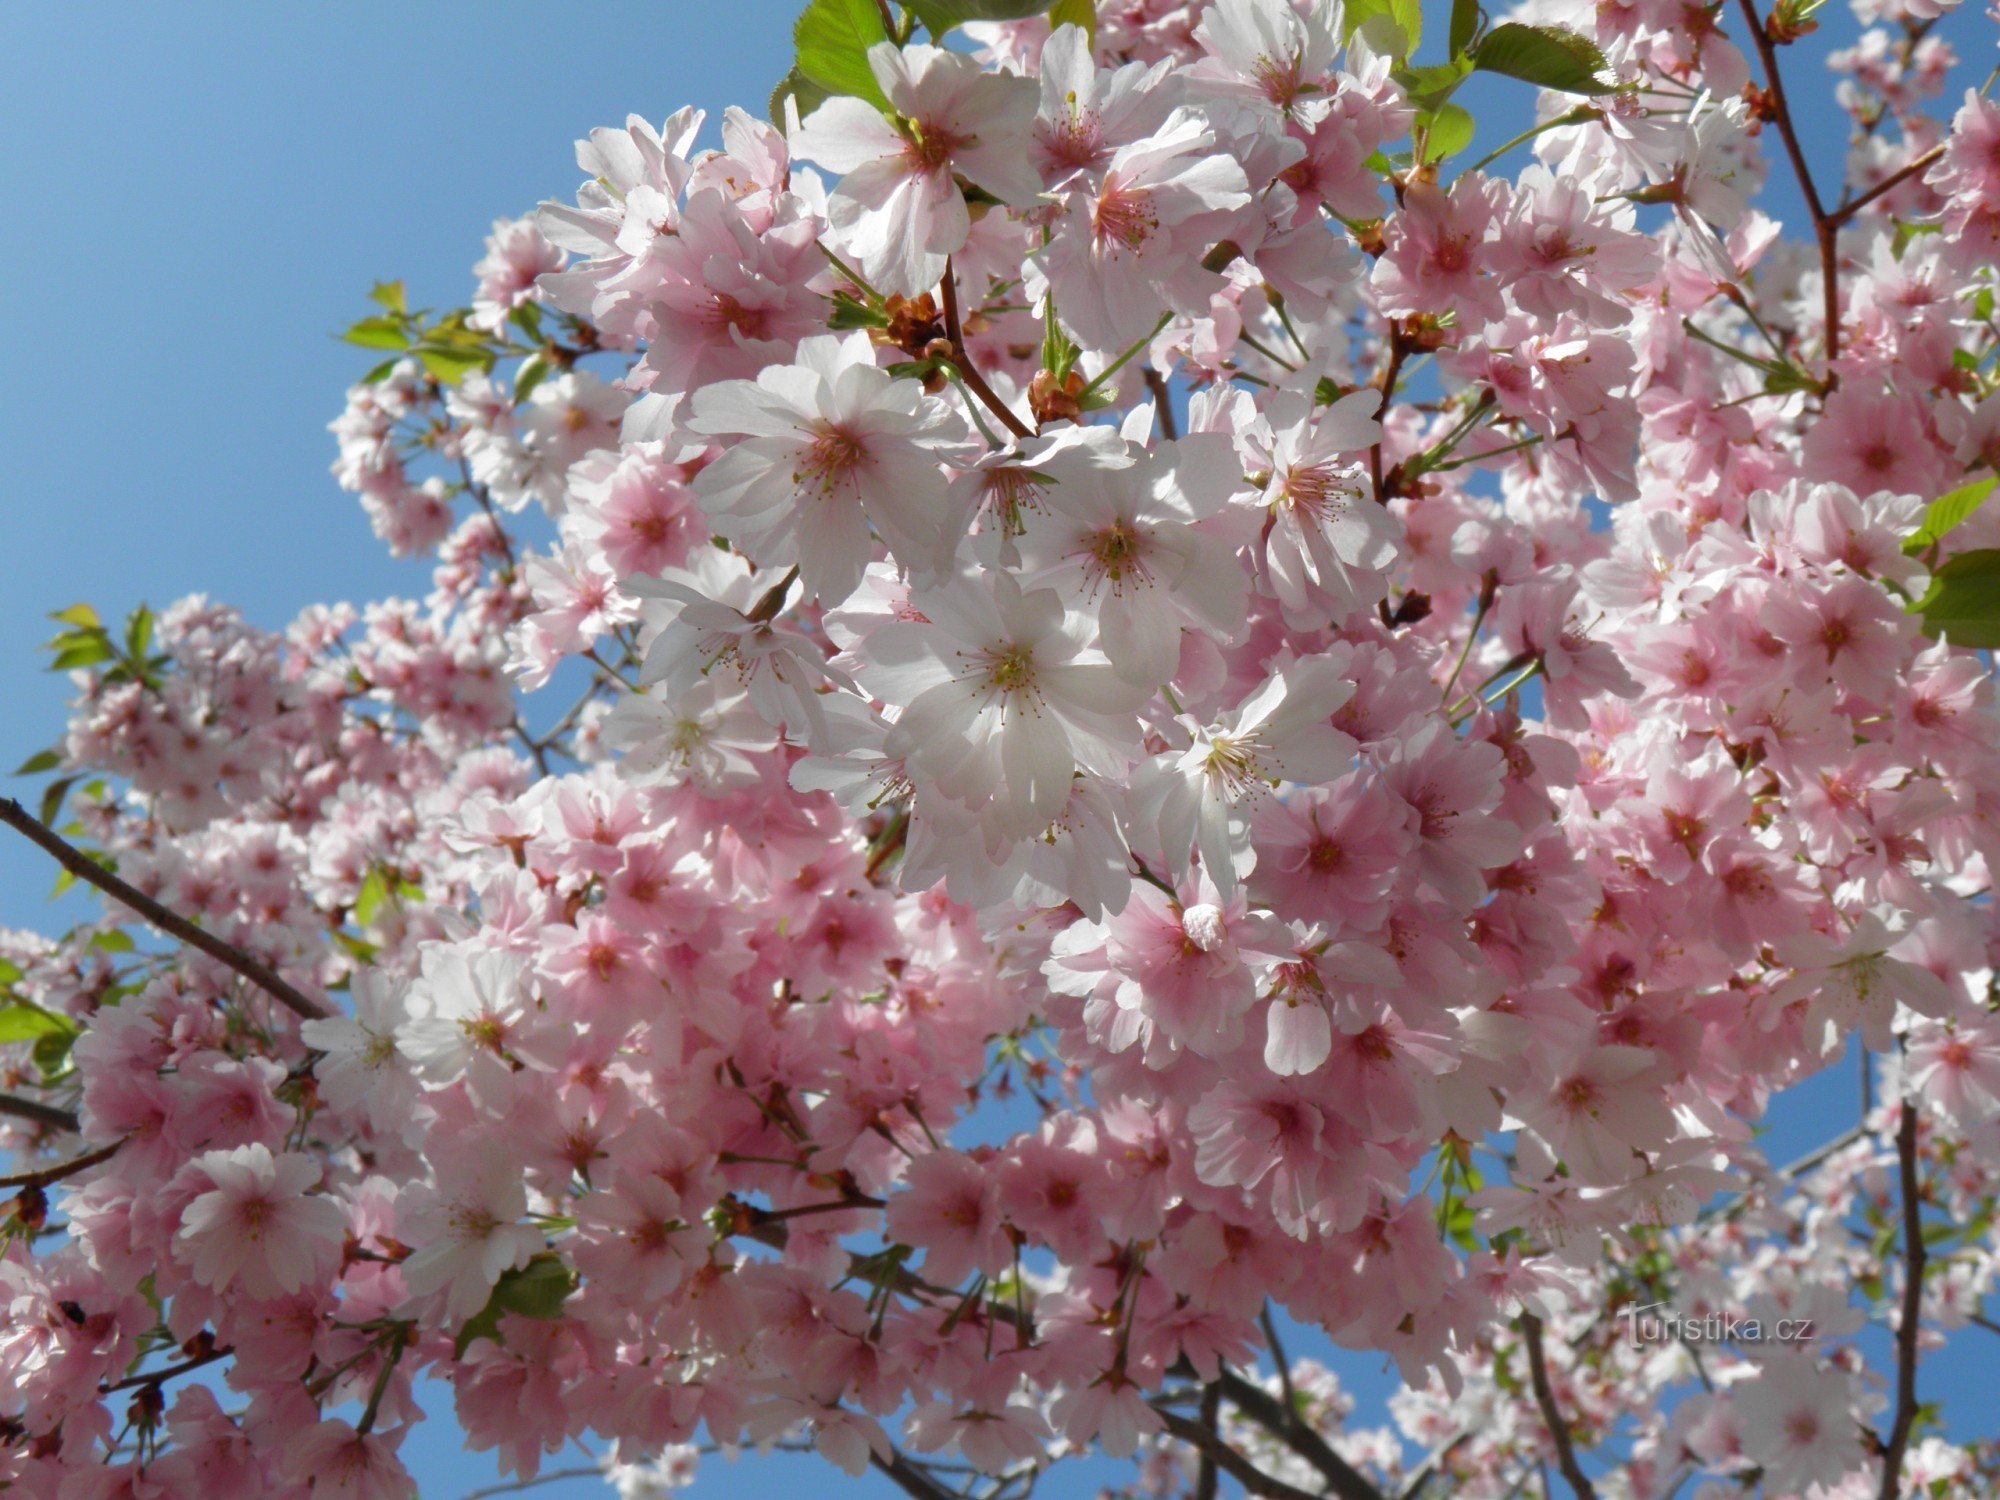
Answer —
(1187, 720)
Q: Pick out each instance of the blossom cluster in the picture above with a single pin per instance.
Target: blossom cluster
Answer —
(1183, 717)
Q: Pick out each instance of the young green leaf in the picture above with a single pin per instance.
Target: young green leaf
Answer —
(1947, 511)
(389, 296)
(25, 1023)
(40, 761)
(379, 333)
(940, 16)
(833, 38)
(1550, 56)
(1464, 23)
(1406, 15)
(1963, 604)
(1447, 130)
(1075, 13)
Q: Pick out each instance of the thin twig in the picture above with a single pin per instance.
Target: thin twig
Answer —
(87, 869)
(1227, 1459)
(974, 381)
(1545, 1398)
(1895, 179)
(1915, 1254)
(1163, 405)
(1825, 226)
(1208, 1478)
(64, 1169)
(553, 1476)
(1285, 1423)
(38, 1112)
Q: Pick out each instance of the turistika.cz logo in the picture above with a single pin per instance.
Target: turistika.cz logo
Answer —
(1657, 1323)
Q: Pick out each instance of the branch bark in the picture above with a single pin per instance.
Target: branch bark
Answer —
(1227, 1459)
(1915, 1256)
(1342, 1478)
(36, 1111)
(975, 382)
(86, 869)
(1825, 226)
(1545, 1398)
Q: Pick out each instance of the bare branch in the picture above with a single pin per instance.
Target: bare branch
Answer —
(966, 368)
(36, 1111)
(1227, 1459)
(1545, 1397)
(61, 1169)
(1915, 1255)
(84, 868)
(1283, 1422)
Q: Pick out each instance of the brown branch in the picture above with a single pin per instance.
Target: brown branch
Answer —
(1208, 1478)
(1825, 226)
(1915, 1254)
(1227, 1459)
(975, 382)
(87, 869)
(1398, 352)
(908, 1477)
(64, 1169)
(1163, 405)
(36, 1111)
(1282, 1421)
(1545, 1398)
(160, 1377)
(1895, 179)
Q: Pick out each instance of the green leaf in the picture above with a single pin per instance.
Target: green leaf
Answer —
(940, 16)
(1947, 511)
(810, 96)
(448, 366)
(531, 374)
(536, 1290)
(1447, 131)
(51, 1052)
(138, 633)
(1059, 351)
(1963, 604)
(114, 940)
(26, 1023)
(1550, 56)
(528, 318)
(82, 616)
(1407, 16)
(380, 373)
(389, 296)
(52, 798)
(379, 333)
(1429, 87)
(369, 902)
(1075, 13)
(40, 761)
(1464, 22)
(833, 38)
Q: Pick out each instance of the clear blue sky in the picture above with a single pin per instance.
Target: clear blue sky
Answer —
(198, 196)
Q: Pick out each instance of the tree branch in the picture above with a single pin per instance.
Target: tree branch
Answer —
(84, 868)
(63, 1169)
(908, 1477)
(1895, 179)
(1285, 1423)
(38, 1112)
(1825, 226)
(1915, 1254)
(967, 370)
(1227, 1459)
(1545, 1397)
(1208, 1477)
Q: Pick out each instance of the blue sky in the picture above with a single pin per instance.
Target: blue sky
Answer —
(202, 194)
